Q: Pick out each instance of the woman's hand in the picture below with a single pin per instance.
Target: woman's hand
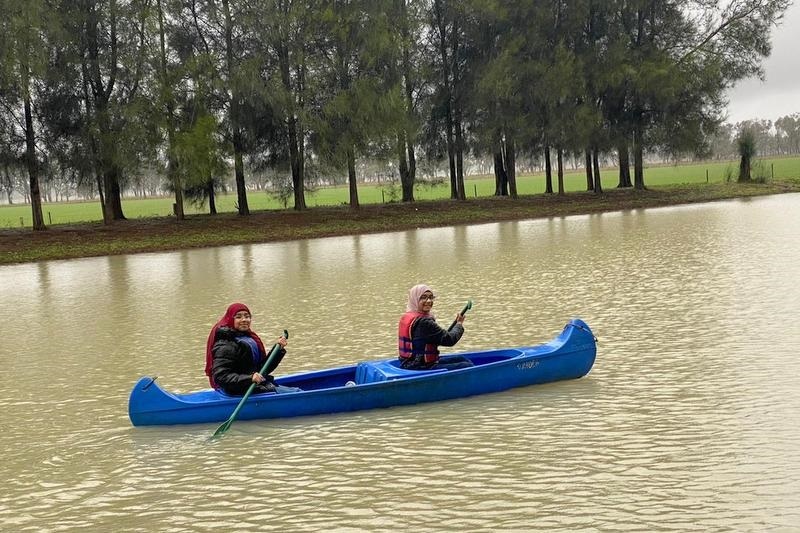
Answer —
(258, 378)
(282, 341)
(460, 318)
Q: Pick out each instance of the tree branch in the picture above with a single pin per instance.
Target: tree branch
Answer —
(723, 26)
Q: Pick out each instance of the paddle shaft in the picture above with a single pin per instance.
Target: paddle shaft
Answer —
(462, 313)
(225, 425)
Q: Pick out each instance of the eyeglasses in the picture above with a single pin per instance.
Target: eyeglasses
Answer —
(427, 297)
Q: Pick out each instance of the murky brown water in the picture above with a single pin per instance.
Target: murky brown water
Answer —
(689, 420)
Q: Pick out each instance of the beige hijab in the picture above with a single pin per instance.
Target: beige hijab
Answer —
(413, 298)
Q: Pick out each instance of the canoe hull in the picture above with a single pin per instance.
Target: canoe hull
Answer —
(379, 384)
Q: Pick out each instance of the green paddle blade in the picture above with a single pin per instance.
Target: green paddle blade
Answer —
(223, 428)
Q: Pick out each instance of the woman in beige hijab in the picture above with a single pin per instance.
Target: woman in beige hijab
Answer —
(419, 335)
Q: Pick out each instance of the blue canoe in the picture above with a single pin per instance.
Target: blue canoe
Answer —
(378, 384)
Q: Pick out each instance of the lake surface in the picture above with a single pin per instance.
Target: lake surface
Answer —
(689, 420)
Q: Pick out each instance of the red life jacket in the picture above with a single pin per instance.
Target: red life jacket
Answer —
(406, 347)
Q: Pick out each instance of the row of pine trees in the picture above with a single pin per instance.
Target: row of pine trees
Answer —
(100, 90)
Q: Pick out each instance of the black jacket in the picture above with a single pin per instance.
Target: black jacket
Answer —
(428, 331)
(233, 364)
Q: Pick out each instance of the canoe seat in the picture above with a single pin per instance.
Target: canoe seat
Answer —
(372, 371)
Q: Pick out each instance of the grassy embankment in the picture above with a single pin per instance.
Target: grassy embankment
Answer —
(667, 186)
(72, 212)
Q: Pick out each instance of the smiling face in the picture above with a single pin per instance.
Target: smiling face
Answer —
(241, 321)
(426, 302)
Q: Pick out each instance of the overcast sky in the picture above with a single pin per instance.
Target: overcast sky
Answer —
(779, 94)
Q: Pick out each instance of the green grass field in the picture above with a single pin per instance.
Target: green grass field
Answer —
(713, 172)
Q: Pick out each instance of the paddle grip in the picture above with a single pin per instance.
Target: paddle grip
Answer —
(462, 313)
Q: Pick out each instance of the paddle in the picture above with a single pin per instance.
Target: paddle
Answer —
(463, 312)
(225, 425)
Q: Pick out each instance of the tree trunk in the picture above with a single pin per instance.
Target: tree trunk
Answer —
(101, 194)
(113, 192)
(589, 178)
(407, 158)
(624, 165)
(102, 87)
(412, 164)
(296, 160)
(560, 169)
(638, 159)
(448, 96)
(212, 203)
(462, 195)
(93, 148)
(511, 166)
(406, 183)
(598, 185)
(298, 180)
(241, 190)
(451, 158)
(301, 163)
(172, 168)
(548, 172)
(33, 168)
(238, 141)
(351, 178)
(458, 117)
(500, 176)
(108, 170)
(172, 164)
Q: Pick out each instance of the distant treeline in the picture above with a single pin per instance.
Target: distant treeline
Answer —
(102, 96)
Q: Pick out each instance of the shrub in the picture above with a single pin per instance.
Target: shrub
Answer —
(746, 144)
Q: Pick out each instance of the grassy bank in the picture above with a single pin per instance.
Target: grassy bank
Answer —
(165, 233)
(707, 172)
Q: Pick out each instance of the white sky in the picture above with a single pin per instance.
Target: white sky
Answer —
(779, 94)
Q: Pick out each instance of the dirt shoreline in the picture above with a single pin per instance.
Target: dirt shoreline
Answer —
(198, 231)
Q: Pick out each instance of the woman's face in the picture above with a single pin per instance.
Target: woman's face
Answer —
(241, 321)
(426, 302)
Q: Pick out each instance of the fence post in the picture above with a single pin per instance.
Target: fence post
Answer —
(476, 189)
(706, 175)
(49, 218)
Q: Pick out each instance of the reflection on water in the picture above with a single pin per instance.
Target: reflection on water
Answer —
(688, 421)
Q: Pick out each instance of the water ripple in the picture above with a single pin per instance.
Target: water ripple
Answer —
(688, 421)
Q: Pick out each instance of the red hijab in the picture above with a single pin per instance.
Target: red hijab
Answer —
(226, 322)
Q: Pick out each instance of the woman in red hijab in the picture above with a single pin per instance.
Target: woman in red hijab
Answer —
(235, 355)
